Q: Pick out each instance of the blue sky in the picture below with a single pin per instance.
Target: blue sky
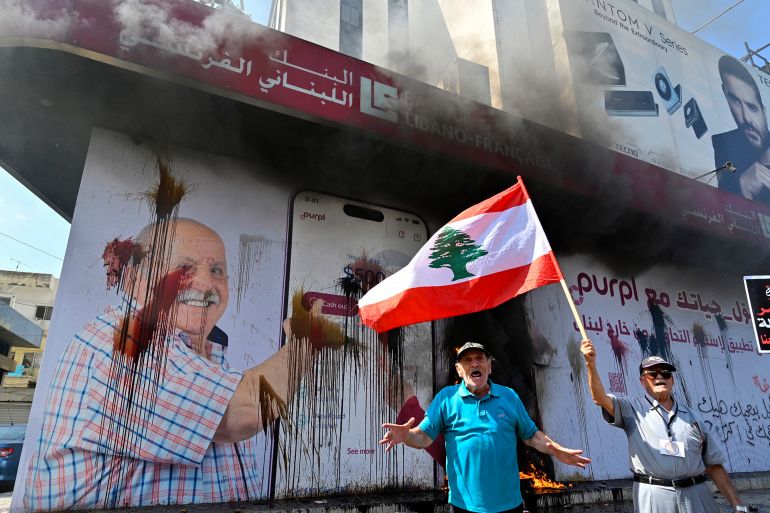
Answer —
(30, 222)
(748, 22)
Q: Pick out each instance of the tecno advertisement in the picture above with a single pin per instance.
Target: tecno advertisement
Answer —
(175, 372)
(700, 322)
(646, 88)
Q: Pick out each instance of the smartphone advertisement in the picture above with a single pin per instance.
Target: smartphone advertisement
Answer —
(647, 88)
(355, 380)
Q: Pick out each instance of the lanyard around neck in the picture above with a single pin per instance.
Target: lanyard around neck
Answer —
(670, 418)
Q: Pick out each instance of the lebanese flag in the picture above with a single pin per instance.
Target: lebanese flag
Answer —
(485, 256)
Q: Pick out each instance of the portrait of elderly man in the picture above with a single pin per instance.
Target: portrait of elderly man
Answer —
(144, 408)
(671, 453)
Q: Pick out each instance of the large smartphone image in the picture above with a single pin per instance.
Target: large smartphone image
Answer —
(348, 380)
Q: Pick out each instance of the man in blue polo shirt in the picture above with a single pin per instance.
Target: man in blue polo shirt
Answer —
(480, 421)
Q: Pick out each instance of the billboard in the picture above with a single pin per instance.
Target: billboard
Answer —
(648, 89)
(701, 322)
(174, 373)
(231, 57)
(758, 296)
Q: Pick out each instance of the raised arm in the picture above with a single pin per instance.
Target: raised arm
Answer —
(544, 444)
(264, 391)
(260, 399)
(598, 394)
(405, 434)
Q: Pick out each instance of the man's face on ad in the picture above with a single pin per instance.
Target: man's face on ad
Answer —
(202, 299)
(747, 110)
(202, 302)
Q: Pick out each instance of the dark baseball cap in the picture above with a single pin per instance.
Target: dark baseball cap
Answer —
(471, 345)
(652, 361)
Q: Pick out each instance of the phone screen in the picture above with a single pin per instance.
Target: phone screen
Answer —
(349, 380)
(596, 56)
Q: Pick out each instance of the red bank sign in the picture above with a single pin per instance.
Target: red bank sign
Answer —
(189, 43)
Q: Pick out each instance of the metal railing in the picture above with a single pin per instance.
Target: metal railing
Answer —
(752, 56)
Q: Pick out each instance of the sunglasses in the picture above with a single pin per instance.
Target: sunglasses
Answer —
(665, 374)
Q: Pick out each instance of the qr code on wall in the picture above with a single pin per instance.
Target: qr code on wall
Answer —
(617, 382)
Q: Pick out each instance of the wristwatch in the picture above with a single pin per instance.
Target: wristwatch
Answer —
(742, 509)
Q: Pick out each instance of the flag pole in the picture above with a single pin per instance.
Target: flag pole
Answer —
(572, 306)
(564, 287)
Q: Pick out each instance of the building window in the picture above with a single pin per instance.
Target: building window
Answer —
(43, 312)
(350, 15)
(351, 27)
(398, 30)
(31, 363)
(6, 300)
(658, 8)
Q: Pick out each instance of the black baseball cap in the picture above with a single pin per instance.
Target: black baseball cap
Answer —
(471, 345)
(652, 361)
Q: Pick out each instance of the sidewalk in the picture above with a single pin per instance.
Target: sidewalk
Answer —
(5, 502)
(595, 497)
(758, 498)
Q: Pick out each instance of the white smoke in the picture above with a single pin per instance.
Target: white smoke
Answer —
(224, 29)
(16, 17)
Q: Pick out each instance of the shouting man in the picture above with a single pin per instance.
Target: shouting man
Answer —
(481, 422)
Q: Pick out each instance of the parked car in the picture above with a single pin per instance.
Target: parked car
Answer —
(11, 442)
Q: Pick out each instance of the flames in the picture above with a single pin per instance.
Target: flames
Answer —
(539, 480)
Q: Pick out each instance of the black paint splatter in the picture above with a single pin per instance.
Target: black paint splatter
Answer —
(140, 339)
(251, 251)
(657, 343)
(333, 360)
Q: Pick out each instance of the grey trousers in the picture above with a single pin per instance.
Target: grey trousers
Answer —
(663, 499)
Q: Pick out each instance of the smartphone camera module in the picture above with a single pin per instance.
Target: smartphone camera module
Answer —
(670, 94)
(693, 118)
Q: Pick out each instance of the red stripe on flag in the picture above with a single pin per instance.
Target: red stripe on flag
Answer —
(422, 304)
(509, 198)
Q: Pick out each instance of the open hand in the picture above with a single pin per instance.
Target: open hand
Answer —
(396, 434)
(568, 456)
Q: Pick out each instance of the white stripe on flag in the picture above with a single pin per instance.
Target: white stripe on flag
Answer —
(512, 238)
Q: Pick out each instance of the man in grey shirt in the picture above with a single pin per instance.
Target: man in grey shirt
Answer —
(670, 450)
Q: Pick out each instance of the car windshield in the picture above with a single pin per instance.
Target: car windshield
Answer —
(12, 432)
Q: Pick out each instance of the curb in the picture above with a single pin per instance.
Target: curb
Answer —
(595, 492)
(748, 481)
